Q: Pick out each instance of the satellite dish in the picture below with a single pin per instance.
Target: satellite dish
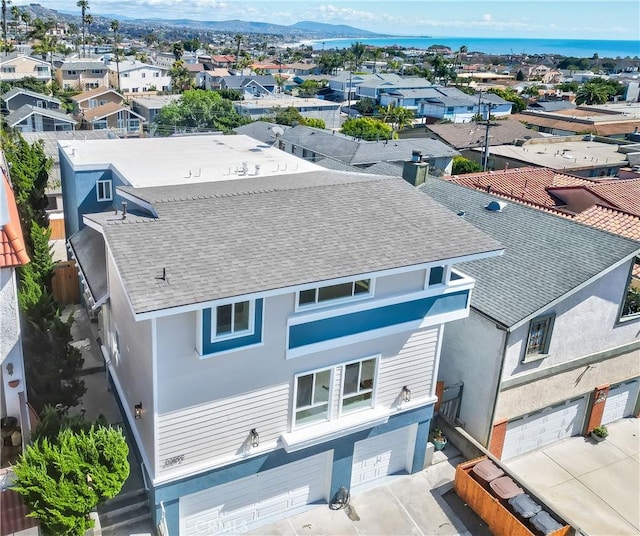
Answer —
(277, 132)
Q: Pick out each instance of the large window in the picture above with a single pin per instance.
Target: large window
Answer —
(631, 304)
(357, 385)
(232, 319)
(312, 397)
(436, 275)
(104, 190)
(539, 337)
(318, 295)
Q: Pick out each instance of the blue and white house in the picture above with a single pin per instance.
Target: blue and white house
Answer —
(281, 338)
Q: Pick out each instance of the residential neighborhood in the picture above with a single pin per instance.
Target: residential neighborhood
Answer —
(254, 281)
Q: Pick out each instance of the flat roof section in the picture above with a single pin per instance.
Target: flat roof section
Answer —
(144, 162)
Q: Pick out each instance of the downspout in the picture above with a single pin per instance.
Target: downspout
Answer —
(495, 398)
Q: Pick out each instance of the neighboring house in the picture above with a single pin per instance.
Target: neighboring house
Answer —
(94, 98)
(344, 86)
(268, 106)
(453, 105)
(223, 61)
(376, 87)
(549, 349)
(13, 254)
(250, 86)
(117, 118)
(583, 156)
(138, 77)
(17, 97)
(82, 74)
(313, 144)
(211, 78)
(463, 136)
(30, 118)
(149, 107)
(551, 106)
(305, 365)
(16, 66)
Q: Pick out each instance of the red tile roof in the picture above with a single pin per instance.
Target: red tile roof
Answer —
(12, 247)
(529, 183)
(612, 220)
(623, 193)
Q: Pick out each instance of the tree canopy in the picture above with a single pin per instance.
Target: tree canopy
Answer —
(462, 165)
(62, 480)
(367, 128)
(512, 96)
(198, 110)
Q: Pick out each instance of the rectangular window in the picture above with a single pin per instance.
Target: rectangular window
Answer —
(436, 275)
(144, 75)
(350, 289)
(96, 71)
(100, 125)
(233, 319)
(125, 75)
(312, 397)
(104, 190)
(42, 70)
(357, 385)
(539, 337)
(8, 69)
(72, 73)
(156, 75)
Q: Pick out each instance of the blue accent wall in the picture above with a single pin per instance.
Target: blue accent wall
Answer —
(209, 347)
(381, 317)
(342, 448)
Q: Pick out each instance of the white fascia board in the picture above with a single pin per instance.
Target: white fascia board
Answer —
(578, 288)
(285, 290)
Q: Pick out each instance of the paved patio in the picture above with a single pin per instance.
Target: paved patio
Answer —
(594, 485)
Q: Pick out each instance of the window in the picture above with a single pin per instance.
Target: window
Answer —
(232, 319)
(10, 69)
(312, 397)
(631, 304)
(100, 125)
(143, 75)
(357, 385)
(96, 71)
(436, 275)
(42, 70)
(134, 124)
(539, 337)
(156, 75)
(102, 102)
(103, 189)
(125, 75)
(72, 73)
(350, 289)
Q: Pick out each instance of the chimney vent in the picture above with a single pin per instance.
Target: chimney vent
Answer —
(124, 210)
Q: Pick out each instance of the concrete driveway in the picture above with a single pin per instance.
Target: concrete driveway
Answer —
(596, 486)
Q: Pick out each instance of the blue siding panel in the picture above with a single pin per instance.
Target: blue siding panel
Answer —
(380, 317)
(209, 347)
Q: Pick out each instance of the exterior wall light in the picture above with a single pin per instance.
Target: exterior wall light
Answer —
(138, 410)
(406, 394)
(254, 437)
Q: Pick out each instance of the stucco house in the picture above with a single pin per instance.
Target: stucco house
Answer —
(138, 77)
(82, 74)
(95, 97)
(16, 66)
(551, 348)
(308, 362)
(13, 253)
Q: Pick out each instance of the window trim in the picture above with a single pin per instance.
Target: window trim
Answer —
(335, 301)
(105, 182)
(341, 410)
(549, 320)
(295, 409)
(233, 334)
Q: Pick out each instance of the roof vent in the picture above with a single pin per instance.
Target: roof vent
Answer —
(496, 206)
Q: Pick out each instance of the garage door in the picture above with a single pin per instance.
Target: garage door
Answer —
(382, 455)
(621, 401)
(544, 427)
(252, 501)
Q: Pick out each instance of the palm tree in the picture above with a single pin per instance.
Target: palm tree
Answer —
(238, 39)
(88, 20)
(73, 30)
(115, 26)
(376, 54)
(5, 43)
(84, 7)
(358, 50)
(15, 15)
(592, 94)
(178, 50)
(26, 18)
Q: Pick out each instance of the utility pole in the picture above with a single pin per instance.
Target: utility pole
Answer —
(349, 95)
(485, 155)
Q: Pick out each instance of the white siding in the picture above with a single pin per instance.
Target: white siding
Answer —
(220, 429)
(412, 366)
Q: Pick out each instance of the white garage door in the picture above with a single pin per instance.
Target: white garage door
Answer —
(382, 455)
(621, 401)
(252, 501)
(544, 427)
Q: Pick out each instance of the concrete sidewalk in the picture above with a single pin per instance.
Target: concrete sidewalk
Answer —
(594, 485)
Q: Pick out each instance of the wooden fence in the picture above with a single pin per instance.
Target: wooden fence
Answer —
(65, 284)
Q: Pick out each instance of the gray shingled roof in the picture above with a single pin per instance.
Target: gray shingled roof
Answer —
(464, 135)
(21, 91)
(26, 110)
(233, 238)
(354, 152)
(260, 130)
(546, 256)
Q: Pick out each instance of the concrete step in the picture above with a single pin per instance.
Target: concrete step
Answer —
(126, 508)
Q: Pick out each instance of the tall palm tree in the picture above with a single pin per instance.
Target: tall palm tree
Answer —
(376, 54)
(84, 7)
(73, 31)
(15, 15)
(26, 18)
(88, 20)
(5, 43)
(238, 39)
(358, 50)
(115, 26)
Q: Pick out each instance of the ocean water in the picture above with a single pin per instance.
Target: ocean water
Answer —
(566, 47)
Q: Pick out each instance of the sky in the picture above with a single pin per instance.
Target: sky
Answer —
(568, 19)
